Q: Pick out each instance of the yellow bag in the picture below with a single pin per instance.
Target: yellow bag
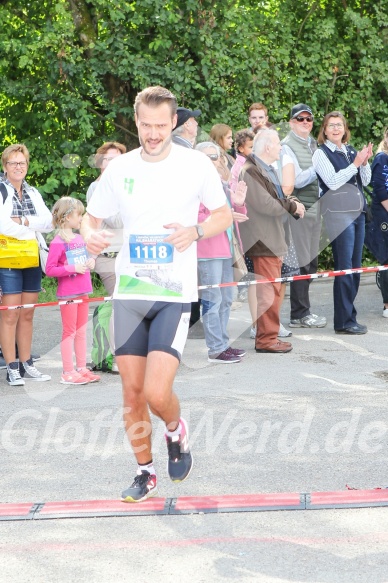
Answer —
(18, 253)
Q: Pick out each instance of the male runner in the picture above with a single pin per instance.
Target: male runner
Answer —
(157, 189)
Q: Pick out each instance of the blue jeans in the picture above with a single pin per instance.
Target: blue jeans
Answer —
(347, 254)
(216, 302)
(17, 281)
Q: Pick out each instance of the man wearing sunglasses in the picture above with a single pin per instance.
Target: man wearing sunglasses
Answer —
(300, 146)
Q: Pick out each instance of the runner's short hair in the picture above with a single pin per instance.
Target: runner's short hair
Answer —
(154, 96)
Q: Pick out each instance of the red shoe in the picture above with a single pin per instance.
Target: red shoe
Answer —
(89, 375)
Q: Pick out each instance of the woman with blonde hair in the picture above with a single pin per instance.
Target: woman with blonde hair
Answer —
(23, 216)
(221, 134)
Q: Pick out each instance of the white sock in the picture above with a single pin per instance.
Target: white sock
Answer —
(146, 468)
(177, 431)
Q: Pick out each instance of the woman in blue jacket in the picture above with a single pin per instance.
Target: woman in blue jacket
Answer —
(379, 209)
(342, 172)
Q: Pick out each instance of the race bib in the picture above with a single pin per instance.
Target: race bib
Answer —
(150, 250)
(150, 273)
(77, 256)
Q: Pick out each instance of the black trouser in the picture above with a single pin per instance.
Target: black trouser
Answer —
(306, 235)
(195, 314)
(384, 285)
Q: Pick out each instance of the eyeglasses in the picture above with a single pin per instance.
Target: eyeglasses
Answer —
(335, 126)
(14, 164)
(213, 157)
(301, 118)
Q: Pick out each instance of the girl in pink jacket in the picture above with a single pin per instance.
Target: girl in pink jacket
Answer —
(69, 262)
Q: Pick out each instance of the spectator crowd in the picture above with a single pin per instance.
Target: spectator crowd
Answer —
(174, 213)
(284, 195)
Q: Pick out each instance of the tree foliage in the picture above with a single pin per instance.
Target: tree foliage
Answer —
(71, 69)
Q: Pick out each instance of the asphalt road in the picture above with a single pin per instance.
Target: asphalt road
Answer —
(311, 420)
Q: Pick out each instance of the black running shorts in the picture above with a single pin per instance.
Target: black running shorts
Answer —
(141, 326)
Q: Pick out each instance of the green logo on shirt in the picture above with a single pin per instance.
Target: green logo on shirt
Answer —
(128, 185)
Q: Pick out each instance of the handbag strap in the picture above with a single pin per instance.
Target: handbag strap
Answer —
(4, 191)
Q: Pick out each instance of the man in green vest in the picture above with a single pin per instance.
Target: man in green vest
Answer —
(300, 146)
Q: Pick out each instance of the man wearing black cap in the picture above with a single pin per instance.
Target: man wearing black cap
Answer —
(300, 146)
(186, 127)
(184, 134)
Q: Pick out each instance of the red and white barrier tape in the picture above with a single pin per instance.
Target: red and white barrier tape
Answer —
(59, 303)
(318, 275)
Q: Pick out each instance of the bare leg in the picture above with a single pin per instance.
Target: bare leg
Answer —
(160, 374)
(24, 326)
(147, 382)
(8, 323)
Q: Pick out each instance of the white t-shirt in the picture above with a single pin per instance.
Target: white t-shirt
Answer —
(284, 160)
(149, 195)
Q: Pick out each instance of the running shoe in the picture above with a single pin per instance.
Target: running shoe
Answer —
(29, 372)
(144, 486)
(13, 375)
(309, 321)
(73, 378)
(385, 314)
(180, 460)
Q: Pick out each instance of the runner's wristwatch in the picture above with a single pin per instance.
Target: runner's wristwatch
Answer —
(200, 232)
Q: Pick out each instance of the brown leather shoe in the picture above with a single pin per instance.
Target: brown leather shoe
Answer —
(278, 348)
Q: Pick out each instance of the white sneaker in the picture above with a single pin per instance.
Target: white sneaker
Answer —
(385, 313)
(252, 333)
(283, 332)
(13, 375)
(32, 373)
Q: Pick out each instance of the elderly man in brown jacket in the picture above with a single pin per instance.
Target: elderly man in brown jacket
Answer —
(263, 236)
